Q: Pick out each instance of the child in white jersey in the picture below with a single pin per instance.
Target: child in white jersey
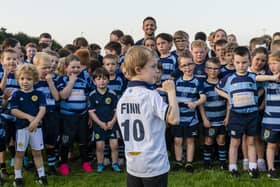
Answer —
(141, 115)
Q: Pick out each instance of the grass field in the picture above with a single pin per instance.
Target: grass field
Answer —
(201, 178)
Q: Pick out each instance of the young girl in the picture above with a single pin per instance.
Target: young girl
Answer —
(169, 61)
(28, 106)
(73, 91)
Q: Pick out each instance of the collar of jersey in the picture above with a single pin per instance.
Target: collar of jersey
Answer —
(138, 83)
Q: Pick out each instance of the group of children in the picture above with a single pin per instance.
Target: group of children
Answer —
(53, 103)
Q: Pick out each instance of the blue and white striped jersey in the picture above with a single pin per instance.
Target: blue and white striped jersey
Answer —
(76, 103)
(169, 65)
(271, 118)
(215, 105)
(242, 92)
(188, 91)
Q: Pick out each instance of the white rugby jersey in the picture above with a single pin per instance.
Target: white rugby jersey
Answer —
(141, 116)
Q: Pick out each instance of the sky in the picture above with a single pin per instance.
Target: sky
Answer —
(68, 19)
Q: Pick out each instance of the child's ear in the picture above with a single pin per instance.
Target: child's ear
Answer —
(137, 70)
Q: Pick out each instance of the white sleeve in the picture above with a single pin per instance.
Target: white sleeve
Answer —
(159, 106)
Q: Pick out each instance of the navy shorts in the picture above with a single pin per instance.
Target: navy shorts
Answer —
(51, 128)
(184, 131)
(213, 132)
(101, 135)
(270, 136)
(240, 124)
(75, 128)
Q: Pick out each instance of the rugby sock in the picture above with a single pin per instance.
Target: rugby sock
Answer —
(56, 152)
(64, 154)
(121, 149)
(12, 151)
(83, 153)
(18, 174)
(222, 152)
(41, 171)
(207, 152)
(51, 157)
(232, 167)
(252, 165)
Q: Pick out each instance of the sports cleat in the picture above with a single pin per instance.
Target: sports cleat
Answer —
(273, 174)
(177, 165)
(207, 165)
(234, 173)
(4, 174)
(116, 168)
(64, 169)
(254, 173)
(87, 167)
(18, 182)
(189, 167)
(52, 170)
(224, 166)
(100, 168)
(42, 180)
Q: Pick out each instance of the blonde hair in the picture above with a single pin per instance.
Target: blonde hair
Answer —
(41, 56)
(137, 56)
(28, 69)
(274, 56)
(60, 70)
(199, 44)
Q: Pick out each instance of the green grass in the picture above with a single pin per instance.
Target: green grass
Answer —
(200, 178)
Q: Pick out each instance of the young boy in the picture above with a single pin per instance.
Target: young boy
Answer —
(228, 56)
(8, 86)
(189, 94)
(118, 85)
(28, 105)
(240, 89)
(141, 115)
(270, 122)
(213, 113)
(219, 48)
(181, 41)
(51, 122)
(168, 61)
(102, 108)
(199, 52)
(31, 50)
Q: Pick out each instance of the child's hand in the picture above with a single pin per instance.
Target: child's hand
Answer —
(192, 105)
(73, 77)
(49, 77)
(167, 86)
(110, 125)
(32, 126)
(277, 77)
(6, 69)
(104, 126)
(206, 123)
(8, 93)
(226, 121)
(90, 123)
